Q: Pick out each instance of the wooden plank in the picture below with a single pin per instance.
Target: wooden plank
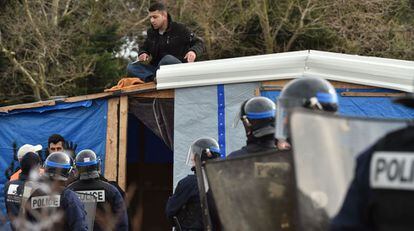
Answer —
(53, 102)
(6, 109)
(257, 91)
(162, 94)
(372, 94)
(279, 84)
(144, 87)
(87, 97)
(111, 156)
(344, 85)
(123, 131)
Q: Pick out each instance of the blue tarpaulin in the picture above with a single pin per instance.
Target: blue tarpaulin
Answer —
(373, 107)
(142, 141)
(83, 123)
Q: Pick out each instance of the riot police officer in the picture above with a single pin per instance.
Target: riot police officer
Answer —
(110, 210)
(185, 203)
(13, 190)
(51, 206)
(380, 196)
(307, 92)
(258, 117)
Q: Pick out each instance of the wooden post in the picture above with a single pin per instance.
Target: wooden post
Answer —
(111, 156)
(123, 131)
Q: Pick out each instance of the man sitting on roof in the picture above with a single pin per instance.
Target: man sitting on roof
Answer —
(167, 42)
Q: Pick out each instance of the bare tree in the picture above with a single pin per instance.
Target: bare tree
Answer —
(374, 27)
(41, 50)
(45, 40)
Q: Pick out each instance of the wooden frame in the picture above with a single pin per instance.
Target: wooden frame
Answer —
(277, 85)
(122, 145)
(116, 140)
(111, 155)
(162, 94)
(372, 94)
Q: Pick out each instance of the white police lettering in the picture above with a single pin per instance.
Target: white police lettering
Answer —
(12, 189)
(392, 170)
(45, 202)
(91, 196)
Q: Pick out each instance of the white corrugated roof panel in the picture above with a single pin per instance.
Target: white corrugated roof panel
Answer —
(371, 71)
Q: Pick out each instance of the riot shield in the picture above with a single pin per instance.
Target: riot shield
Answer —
(325, 147)
(254, 192)
(202, 189)
(89, 201)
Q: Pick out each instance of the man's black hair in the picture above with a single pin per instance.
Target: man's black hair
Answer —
(157, 6)
(29, 161)
(55, 138)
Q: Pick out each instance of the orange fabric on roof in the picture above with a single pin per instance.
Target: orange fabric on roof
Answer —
(126, 83)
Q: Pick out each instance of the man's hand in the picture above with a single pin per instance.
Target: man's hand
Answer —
(70, 148)
(143, 57)
(190, 56)
(283, 145)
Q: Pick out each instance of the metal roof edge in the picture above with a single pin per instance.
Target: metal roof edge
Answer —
(372, 71)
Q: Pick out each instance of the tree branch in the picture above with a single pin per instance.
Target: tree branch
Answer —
(55, 12)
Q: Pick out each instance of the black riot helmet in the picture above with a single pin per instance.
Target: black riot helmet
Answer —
(207, 148)
(241, 116)
(58, 166)
(87, 164)
(260, 115)
(307, 92)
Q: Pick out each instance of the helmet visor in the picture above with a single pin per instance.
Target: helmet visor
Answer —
(236, 119)
(283, 107)
(190, 161)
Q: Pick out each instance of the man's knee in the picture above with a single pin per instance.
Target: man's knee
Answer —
(169, 59)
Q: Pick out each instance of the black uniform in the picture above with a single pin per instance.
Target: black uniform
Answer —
(185, 204)
(255, 145)
(13, 191)
(64, 202)
(110, 204)
(385, 199)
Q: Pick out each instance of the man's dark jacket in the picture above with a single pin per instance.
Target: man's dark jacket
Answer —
(177, 40)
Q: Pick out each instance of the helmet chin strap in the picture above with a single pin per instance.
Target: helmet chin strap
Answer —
(314, 104)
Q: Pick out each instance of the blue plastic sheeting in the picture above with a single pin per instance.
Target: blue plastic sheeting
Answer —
(142, 139)
(372, 107)
(58, 106)
(83, 123)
